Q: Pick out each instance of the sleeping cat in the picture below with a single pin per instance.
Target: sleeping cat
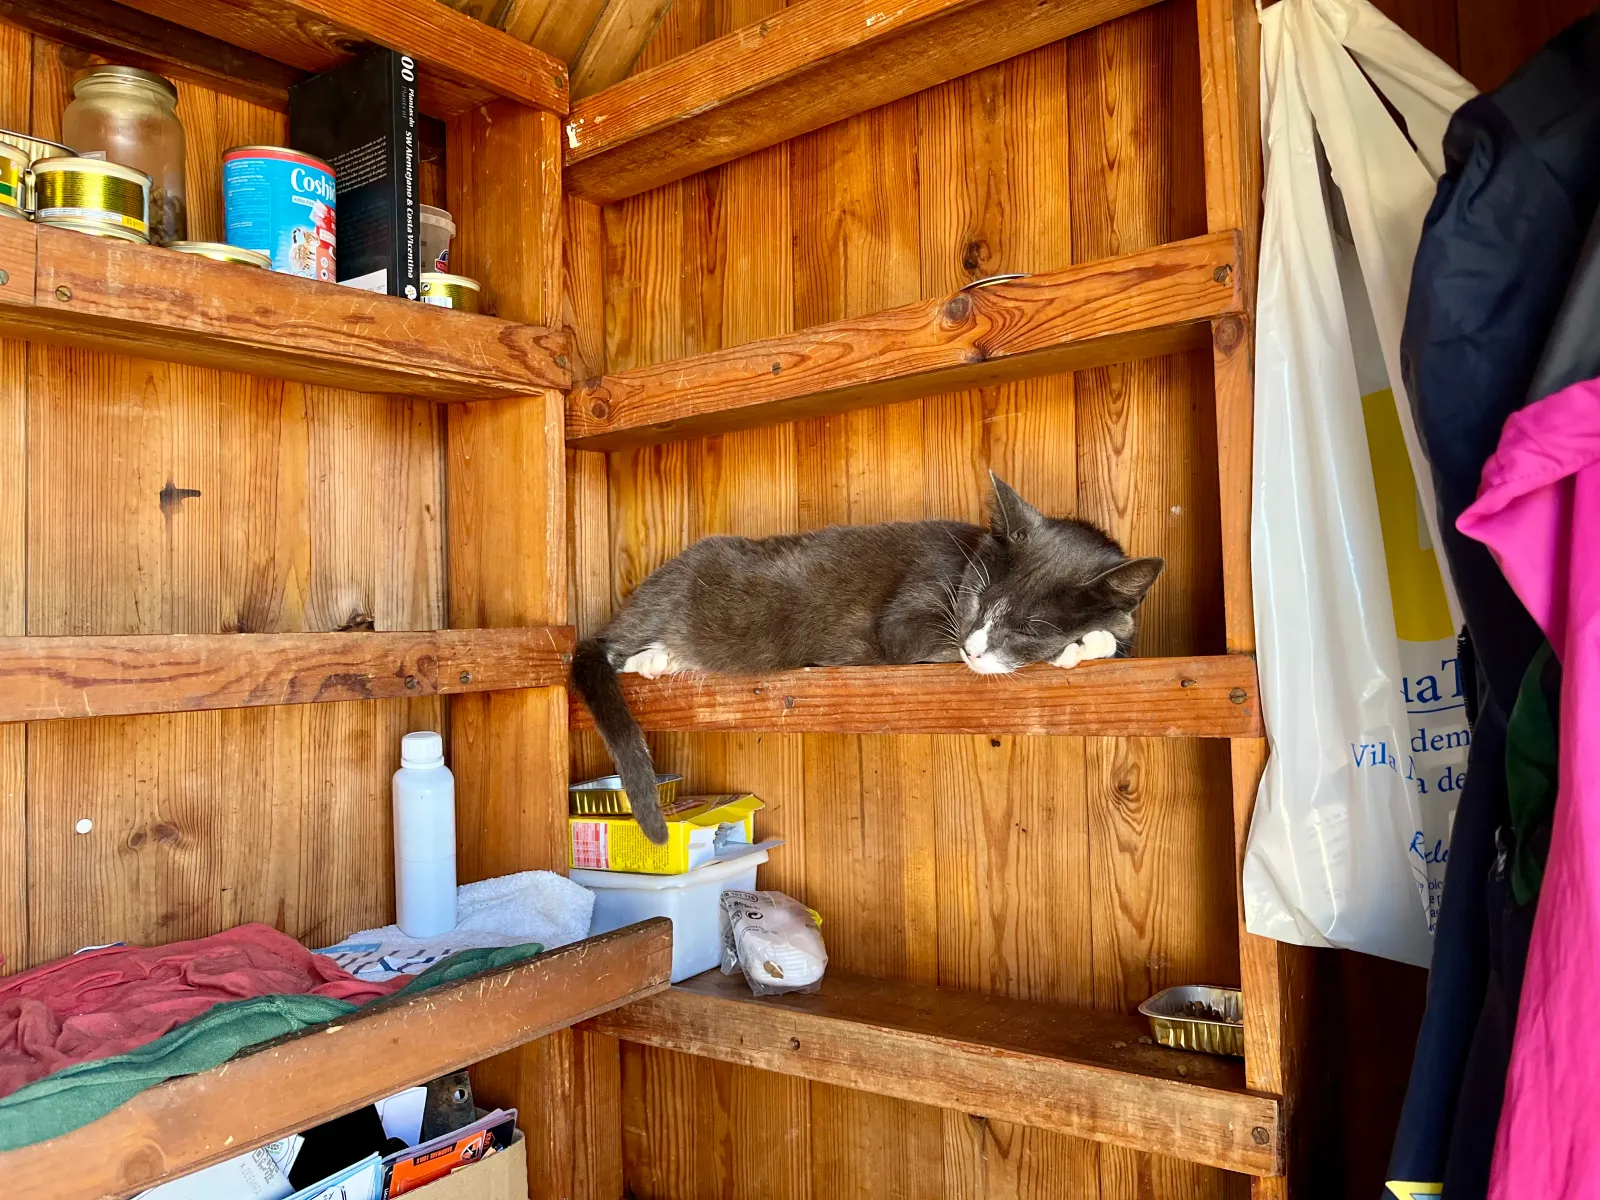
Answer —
(1028, 589)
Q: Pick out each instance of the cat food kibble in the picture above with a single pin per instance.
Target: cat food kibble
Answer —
(1202, 1011)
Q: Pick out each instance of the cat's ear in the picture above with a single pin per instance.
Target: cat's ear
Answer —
(1010, 516)
(1127, 582)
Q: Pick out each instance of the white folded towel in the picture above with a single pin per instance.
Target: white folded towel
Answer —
(531, 906)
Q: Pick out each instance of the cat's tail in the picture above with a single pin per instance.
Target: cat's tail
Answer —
(595, 679)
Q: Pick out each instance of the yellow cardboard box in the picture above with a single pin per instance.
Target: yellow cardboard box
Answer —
(697, 828)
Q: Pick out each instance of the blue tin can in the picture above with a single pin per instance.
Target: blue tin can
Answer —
(281, 202)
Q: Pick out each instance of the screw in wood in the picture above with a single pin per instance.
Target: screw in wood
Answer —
(1186, 683)
(5, 278)
(1220, 275)
(63, 293)
(465, 677)
(788, 701)
(763, 30)
(561, 360)
(777, 368)
(411, 682)
(794, 1043)
(1238, 696)
(566, 657)
(561, 80)
(1260, 1136)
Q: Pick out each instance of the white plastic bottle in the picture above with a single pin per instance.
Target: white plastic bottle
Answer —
(424, 838)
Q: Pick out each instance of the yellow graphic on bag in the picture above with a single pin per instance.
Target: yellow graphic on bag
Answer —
(1421, 612)
(1414, 1191)
(1434, 761)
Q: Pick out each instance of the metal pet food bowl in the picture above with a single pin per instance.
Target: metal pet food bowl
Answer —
(605, 797)
(1178, 1018)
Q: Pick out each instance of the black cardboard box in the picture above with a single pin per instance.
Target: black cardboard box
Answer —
(362, 119)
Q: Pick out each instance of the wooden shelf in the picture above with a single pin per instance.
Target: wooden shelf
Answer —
(1069, 1070)
(322, 1072)
(462, 62)
(1151, 302)
(45, 678)
(67, 287)
(801, 68)
(1131, 697)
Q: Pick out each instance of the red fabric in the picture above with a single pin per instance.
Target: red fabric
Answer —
(107, 1002)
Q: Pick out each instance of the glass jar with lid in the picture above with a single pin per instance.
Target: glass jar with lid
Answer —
(129, 116)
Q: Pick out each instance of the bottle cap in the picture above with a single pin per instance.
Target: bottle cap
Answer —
(424, 749)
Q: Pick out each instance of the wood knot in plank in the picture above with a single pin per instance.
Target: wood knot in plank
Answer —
(1228, 334)
(172, 497)
(958, 309)
(142, 1166)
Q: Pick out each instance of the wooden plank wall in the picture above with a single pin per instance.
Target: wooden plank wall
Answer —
(1078, 871)
(143, 497)
(1484, 39)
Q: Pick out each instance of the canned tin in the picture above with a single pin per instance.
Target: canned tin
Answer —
(35, 148)
(14, 164)
(280, 203)
(93, 196)
(607, 797)
(450, 291)
(222, 252)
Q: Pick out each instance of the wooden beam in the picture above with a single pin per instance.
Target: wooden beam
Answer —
(102, 294)
(557, 27)
(45, 678)
(125, 35)
(806, 66)
(1275, 976)
(1073, 1071)
(1138, 305)
(1131, 697)
(619, 36)
(328, 1070)
(462, 63)
(506, 498)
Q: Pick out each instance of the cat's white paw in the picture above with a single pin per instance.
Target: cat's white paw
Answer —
(1071, 656)
(1099, 643)
(651, 662)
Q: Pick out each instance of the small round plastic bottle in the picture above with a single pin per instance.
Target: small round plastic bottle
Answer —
(424, 838)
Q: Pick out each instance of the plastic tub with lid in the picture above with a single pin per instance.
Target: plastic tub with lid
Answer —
(688, 900)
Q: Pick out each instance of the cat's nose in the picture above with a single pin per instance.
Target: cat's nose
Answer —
(977, 641)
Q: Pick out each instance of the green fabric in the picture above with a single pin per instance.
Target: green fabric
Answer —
(1532, 766)
(84, 1092)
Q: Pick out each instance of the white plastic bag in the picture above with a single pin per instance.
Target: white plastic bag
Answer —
(1355, 614)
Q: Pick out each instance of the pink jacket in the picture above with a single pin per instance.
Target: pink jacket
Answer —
(1538, 511)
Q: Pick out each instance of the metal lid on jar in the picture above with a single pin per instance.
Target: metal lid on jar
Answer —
(113, 72)
(222, 252)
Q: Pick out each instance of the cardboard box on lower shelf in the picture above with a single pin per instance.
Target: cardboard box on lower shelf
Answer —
(502, 1176)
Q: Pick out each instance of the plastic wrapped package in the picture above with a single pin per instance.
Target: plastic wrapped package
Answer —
(774, 940)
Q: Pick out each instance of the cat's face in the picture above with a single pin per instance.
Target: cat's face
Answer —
(1038, 584)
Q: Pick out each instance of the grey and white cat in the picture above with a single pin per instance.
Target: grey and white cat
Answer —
(1028, 589)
